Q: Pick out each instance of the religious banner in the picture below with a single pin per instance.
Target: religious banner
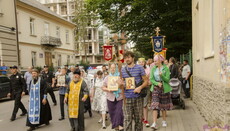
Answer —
(121, 57)
(108, 52)
(61, 80)
(158, 42)
(112, 83)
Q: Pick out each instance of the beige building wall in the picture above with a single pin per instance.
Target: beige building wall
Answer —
(31, 43)
(8, 37)
(210, 93)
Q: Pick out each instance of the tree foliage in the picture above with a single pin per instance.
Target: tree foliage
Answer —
(139, 18)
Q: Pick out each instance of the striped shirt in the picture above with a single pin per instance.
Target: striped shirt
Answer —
(137, 71)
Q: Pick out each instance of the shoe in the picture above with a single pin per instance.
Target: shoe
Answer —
(31, 129)
(62, 118)
(47, 123)
(164, 124)
(103, 125)
(90, 113)
(23, 114)
(100, 121)
(154, 126)
(12, 119)
(55, 104)
(146, 123)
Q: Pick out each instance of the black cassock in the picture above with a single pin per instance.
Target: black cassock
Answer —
(45, 111)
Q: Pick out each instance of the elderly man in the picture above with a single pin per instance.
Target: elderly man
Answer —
(39, 108)
(28, 76)
(76, 95)
(72, 69)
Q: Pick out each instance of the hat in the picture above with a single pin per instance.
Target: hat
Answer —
(141, 59)
(46, 66)
(14, 67)
(77, 72)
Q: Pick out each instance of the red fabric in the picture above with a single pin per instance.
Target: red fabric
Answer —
(108, 52)
(121, 53)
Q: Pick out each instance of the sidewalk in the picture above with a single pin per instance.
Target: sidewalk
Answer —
(178, 119)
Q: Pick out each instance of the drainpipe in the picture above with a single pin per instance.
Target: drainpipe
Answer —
(16, 20)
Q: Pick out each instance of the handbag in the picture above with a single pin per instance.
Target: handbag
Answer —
(143, 92)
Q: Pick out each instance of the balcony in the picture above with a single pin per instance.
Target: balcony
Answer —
(50, 41)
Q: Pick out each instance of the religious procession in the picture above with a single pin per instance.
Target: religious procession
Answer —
(114, 65)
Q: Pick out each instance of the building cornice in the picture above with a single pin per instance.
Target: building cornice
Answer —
(44, 14)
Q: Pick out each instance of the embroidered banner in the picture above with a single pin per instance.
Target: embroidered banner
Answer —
(158, 43)
(121, 57)
(108, 52)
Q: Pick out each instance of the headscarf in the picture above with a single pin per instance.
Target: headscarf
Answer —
(116, 73)
(159, 57)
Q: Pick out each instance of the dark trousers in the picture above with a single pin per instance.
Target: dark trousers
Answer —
(186, 90)
(62, 97)
(18, 104)
(78, 124)
(51, 92)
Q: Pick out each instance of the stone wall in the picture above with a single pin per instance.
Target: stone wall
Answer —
(212, 100)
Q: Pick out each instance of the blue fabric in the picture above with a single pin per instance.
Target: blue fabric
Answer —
(34, 103)
(157, 74)
(116, 93)
(4, 68)
(137, 71)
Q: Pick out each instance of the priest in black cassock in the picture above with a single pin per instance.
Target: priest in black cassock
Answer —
(39, 111)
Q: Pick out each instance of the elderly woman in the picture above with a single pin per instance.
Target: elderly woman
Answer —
(114, 101)
(161, 98)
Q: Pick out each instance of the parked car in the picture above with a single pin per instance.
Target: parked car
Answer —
(4, 86)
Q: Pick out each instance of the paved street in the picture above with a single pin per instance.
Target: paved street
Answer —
(178, 119)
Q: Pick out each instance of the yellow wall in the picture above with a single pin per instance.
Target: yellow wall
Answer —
(208, 22)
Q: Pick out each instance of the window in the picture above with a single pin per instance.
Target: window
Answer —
(90, 49)
(34, 58)
(100, 49)
(46, 26)
(68, 59)
(58, 32)
(63, 10)
(98, 59)
(32, 26)
(89, 34)
(59, 60)
(67, 36)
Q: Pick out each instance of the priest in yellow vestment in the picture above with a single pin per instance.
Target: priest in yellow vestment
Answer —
(76, 94)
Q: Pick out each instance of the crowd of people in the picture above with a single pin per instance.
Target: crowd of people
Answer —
(123, 106)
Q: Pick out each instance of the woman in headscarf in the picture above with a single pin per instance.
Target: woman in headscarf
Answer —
(114, 101)
(161, 98)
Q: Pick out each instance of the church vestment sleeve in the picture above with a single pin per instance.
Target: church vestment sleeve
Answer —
(85, 89)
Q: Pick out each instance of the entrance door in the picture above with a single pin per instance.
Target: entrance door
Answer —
(48, 59)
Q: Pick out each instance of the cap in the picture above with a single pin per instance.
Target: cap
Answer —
(77, 72)
(14, 67)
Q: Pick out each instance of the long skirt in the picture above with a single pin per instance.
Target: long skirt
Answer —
(45, 115)
(116, 113)
(161, 100)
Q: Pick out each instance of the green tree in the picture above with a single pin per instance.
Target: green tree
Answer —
(139, 18)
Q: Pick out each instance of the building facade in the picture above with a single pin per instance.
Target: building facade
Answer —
(8, 33)
(211, 59)
(45, 38)
(89, 49)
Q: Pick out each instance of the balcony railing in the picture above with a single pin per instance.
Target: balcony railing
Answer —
(50, 41)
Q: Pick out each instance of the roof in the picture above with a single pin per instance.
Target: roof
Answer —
(42, 7)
